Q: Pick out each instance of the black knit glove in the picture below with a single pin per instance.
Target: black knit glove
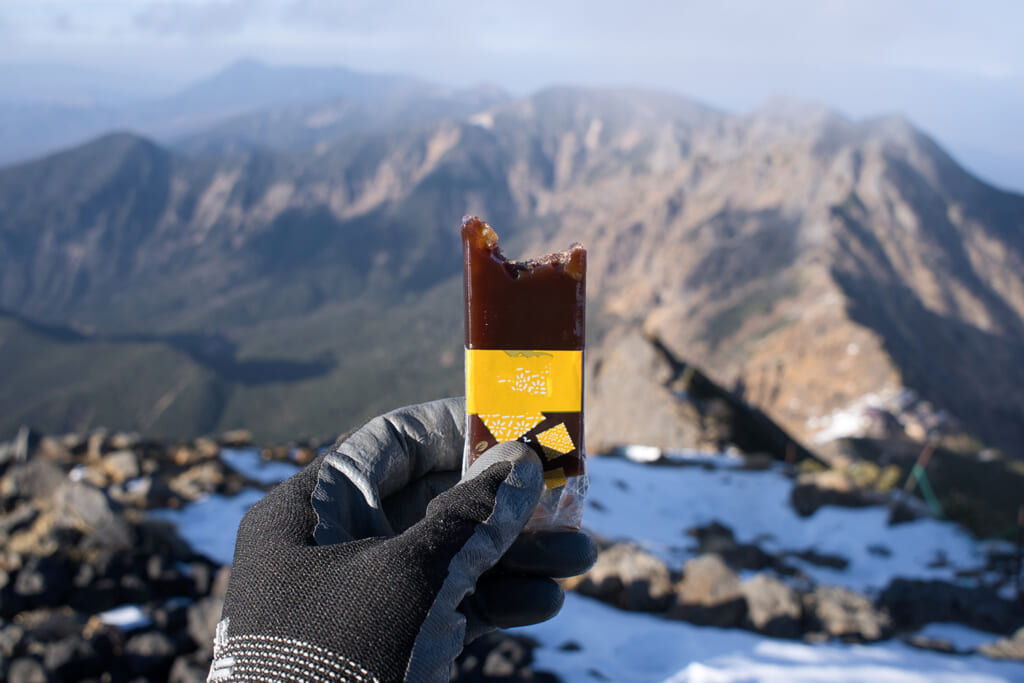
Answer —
(400, 579)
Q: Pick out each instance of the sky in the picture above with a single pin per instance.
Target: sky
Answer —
(954, 68)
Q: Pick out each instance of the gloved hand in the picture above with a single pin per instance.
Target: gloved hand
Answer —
(382, 577)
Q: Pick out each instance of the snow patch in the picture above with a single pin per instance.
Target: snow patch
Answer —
(126, 618)
(483, 119)
(210, 524)
(249, 462)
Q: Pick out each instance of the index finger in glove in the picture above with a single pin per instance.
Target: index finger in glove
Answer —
(284, 514)
(380, 459)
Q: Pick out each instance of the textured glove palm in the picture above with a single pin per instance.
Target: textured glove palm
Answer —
(371, 602)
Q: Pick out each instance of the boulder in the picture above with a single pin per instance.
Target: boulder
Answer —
(88, 510)
(203, 616)
(27, 670)
(198, 480)
(841, 613)
(498, 657)
(914, 603)
(1011, 647)
(773, 608)
(150, 654)
(830, 487)
(123, 441)
(145, 492)
(29, 481)
(121, 466)
(709, 594)
(72, 658)
(43, 581)
(187, 670)
(629, 578)
(719, 539)
(236, 438)
(18, 520)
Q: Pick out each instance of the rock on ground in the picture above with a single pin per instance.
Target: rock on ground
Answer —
(1006, 648)
(629, 578)
(841, 613)
(709, 594)
(773, 608)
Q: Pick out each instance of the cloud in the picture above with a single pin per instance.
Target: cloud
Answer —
(191, 19)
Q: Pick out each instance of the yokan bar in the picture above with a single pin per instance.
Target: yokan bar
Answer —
(524, 363)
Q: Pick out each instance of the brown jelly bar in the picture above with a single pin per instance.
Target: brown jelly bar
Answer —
(524, 361)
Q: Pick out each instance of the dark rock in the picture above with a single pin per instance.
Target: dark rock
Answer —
(506, 659)
(913, 603)
(25, 443)
(88, 510)
(1011, 647)
(150, 654)
(93, 594)
(147, 493)
(498, 657)
(133, 588)
(172, 617)
(158, 537)
(879, 550)
(841, 613)
(123, 441)
(933, 644)
(203, 616)
(43, 581)
(21, 518)
(186, 670)
(72, 658)
(10, 636)
(50, 625)
(709, 594)
(236, 438)
(907, 509)
(202, 575)
(718, 539)
(822, 559)
(205, 478)
(27, 670)
(829, 488)
(629, 578)
(773, 608)
(36, 479)
(121, 466)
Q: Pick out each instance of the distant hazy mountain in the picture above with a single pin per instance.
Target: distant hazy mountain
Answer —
(311, 127)
(804, 259)
(37, 120)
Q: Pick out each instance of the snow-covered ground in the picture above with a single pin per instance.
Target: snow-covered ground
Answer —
(625, 646)
(654, 506)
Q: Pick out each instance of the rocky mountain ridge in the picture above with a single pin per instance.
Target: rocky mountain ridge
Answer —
(801, 259)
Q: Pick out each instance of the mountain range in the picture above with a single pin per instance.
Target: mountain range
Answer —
(297, 269)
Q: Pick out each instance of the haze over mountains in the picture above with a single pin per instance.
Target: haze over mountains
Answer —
(296, 269)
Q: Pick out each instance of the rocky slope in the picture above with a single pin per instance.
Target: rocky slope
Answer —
(802, 260)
